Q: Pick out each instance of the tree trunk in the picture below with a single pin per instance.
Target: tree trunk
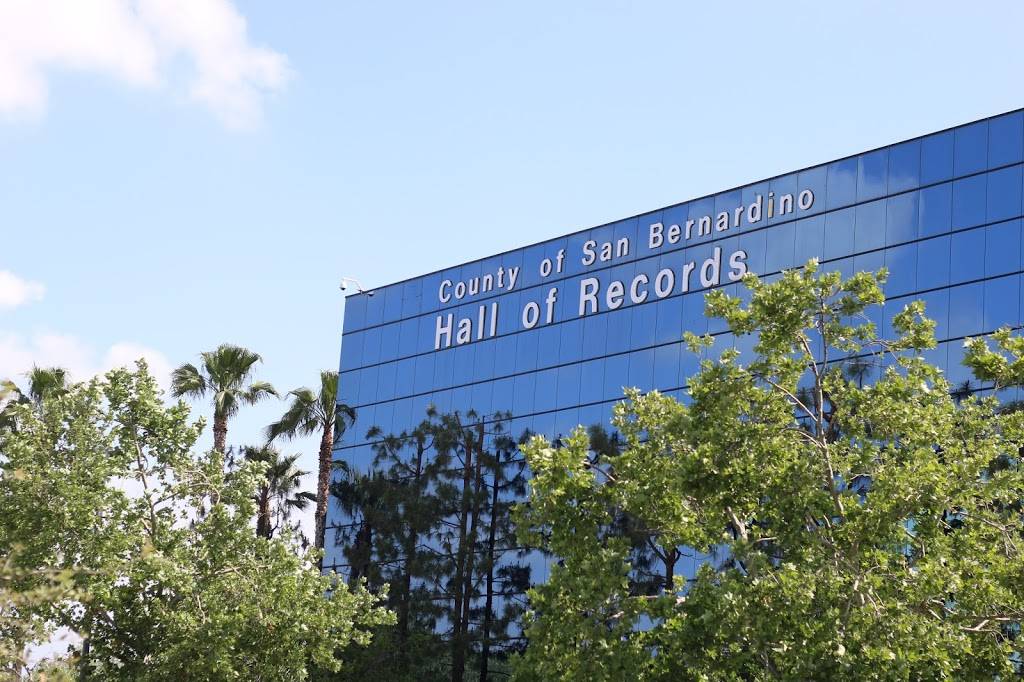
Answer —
(322, 485)
(410, 550)
(263, 514)
(492, 531)
(220, 433)
(461, 552)
(671, 557)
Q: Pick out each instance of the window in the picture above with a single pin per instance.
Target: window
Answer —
(669, 324)
(355, 311)
(1006, 140)
(809, 240)
(444, 369)
(641, 370)
(595, 331)
(870, 230)
(1002, 248)
(967, 256)
(901, 218)
(814, 179)
(386, 381)
(780, 247)
(483, 359)
(872, 174)
(644, 325)
(616, 376)
(842, 183)
(618, 330)
(425, 371)
(971, 148)
(901, 262)
(937, 158)
(526, 351)
(933, 263)
(666, 366)
(592, 381)
(936, 210)
(523, 394)
(351, 351)
(505, 355)
(936, 307)
(571, 345)
(371, 346)
(1002, 302)
(568, 391)
(548, 344)
(392, 303)
(966, 304)
(969, 202)
(1004, 194)
(904, 166)
(839, 233)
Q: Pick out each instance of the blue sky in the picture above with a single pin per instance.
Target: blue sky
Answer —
(174, 175)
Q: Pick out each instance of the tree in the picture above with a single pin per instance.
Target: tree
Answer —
(103, 483)
(226, 374)
(310, 413)
(432, 520)
(867, 530)
(43, 382)
(280, 492)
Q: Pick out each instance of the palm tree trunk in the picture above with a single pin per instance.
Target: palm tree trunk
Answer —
(263, 514)
(323, 483)
(220, 433)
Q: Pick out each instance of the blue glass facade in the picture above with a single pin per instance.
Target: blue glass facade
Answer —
(552, 332)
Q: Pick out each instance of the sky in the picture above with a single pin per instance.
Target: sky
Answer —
(175, 174)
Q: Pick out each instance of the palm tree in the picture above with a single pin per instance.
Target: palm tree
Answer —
(46, 382)
(226, 373)
(280, 494)
(43, 383)
(310, 413)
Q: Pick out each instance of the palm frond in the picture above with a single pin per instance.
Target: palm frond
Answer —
(188, 381)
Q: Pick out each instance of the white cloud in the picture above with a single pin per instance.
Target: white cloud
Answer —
(15, 291)
(18, 354)
(139, 42)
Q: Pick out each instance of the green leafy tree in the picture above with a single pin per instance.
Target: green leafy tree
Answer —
(226, 375)
(103, 482)
(310, 413)
(280, 492)
(866, 530)
(43, 382)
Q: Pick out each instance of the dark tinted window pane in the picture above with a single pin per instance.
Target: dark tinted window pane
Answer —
(902, 264)
(618, 330)
(572, 341)
(641, 370)
(936, 307)
(386, 379)
(839, 233)
(355, 311)
(809, 241)
(616, 376)
(936, 213)
(666, 366)
(905, 166)
(644, 323)
(592, 381)
(780, 247)
(971, 150)
(1002, 302)
(969, 202)
(753, 243)
(548, 344)
(814, 179)
(966, 304)
(523, 394)
(1002, 248)
(842, 183)
(595, 331)
(1004, 194)
(670, 320)
(937, 158)
(870, 230)
(693, 314)
(933, 263)
(526, 352)
(967, 256)
(901, 218)
(547, 384)
(872, 174)
(1006, 139)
